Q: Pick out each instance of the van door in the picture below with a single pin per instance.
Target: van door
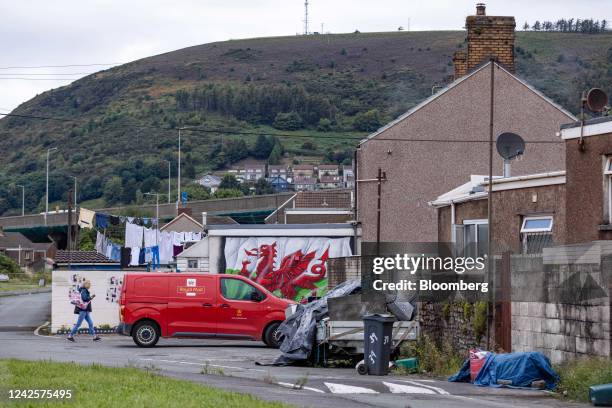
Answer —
(241, 309)
(191, 306)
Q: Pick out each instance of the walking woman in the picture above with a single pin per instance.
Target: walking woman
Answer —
(84, 311)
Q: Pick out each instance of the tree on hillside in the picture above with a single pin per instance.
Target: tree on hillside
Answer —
(197, 192)
(228, 193)
(368, 121)
(288, 121)
(537, 26)
(262, 186)
(526, 26)
(229, 182)
(112, 190)
(263, 147)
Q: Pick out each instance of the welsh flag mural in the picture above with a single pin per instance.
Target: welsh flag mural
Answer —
(289, 267)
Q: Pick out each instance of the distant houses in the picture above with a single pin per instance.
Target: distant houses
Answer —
(283, 178)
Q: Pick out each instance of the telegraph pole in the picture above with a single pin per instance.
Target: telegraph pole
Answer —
(169, 175)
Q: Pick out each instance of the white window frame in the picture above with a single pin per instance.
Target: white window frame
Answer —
(536, 218)
(608, 174)
(479, 221)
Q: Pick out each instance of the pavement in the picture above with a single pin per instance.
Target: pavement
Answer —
(232, 365)
(24, 311)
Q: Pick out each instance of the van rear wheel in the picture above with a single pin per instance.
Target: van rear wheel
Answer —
(146, 334)
(273, 337)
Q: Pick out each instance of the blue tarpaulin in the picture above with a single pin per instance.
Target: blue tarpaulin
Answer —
(520, 368)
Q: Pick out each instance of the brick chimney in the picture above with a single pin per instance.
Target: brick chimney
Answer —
(487, 36)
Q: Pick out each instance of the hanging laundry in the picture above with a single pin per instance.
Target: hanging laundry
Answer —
(150, 237)
(86, 218)
(108, 252)
(148, 255)
(146, 221)
(141, 257)
(177, 249)
(155, 257)
(130, 219)
(197, 236)
(165, 247)
(114, 220)
(126, 254)
(122, 219)
(115, 252)
(133, 235)
(177, 238)
(100, 243)
(135, 256)
(101, 220)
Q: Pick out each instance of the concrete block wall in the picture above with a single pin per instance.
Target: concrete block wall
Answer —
(560, 331)
(561, 302)
(343, 269)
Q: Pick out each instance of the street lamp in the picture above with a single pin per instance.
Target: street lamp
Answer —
(178, 194)
(47, 184)
(22, 199)
(75, 190)
(169, 175)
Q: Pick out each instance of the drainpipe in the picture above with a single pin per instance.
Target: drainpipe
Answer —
(453, 233)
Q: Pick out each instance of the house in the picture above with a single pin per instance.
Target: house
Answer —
(183, 223)
(329, 181)
(536, 211)
(429, 149)
(328, 170)
(304, 183)
(278, 170)
(303, 170)
(23, 251)
(279, 184)
(195, 258)
(348, 177)
(210, 181)
(253, 172)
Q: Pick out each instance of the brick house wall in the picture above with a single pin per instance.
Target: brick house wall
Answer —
(586, 189)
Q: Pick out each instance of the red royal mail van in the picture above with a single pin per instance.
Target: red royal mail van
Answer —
(154, 305)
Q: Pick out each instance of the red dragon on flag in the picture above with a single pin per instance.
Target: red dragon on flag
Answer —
(293, 272)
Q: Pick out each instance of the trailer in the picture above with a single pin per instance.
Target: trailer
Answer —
(338, 339)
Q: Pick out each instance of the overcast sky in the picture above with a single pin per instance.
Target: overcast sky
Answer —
(63, 32)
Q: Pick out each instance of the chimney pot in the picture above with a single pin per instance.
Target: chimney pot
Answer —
(480, 9)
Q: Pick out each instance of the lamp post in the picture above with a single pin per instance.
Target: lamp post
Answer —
(47, 184)
(75, 190)
(178, 188)
(169, 175)
(22, 199)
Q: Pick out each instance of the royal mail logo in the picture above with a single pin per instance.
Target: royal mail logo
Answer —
(190, 289)
(191, 282)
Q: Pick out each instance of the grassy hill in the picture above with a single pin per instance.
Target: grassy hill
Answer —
(327, 90)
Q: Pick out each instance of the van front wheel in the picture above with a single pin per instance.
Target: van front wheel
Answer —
(146, 334)
(273, 337)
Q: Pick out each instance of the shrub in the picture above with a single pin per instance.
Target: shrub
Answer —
(433, 359)
(8, 266)
(367, 121)
(288, 121)
(578, 375)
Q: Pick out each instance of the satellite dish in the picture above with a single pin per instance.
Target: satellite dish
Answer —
(596, 100)
(510, 145)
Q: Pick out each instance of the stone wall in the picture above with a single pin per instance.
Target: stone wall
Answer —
(456, 322)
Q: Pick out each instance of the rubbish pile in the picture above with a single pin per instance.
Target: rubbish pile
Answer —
(520, 370)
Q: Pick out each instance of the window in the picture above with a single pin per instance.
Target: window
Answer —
(536, 233)
(471, 238)
(235, 289)
(192, 263)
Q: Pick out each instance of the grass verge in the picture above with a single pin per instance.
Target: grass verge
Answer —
(578, 375)
(98, 386)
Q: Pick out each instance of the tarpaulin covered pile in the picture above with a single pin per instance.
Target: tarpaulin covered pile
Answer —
(299, 328)
(519, 368)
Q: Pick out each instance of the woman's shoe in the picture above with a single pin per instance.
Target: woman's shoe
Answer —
(97, 338)
(70, 338)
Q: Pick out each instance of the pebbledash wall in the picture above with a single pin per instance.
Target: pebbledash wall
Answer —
(105, 284)
(561, 301)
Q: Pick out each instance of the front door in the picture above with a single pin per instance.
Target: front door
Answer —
(241, 313)
(191, 306)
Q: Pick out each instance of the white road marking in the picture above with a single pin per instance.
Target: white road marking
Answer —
(348, 389)
(292, 386)
(200, 364)
(407, 389)
(438, 389)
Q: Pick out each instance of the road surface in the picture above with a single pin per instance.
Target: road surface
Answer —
(24, 312)
(231, 365)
